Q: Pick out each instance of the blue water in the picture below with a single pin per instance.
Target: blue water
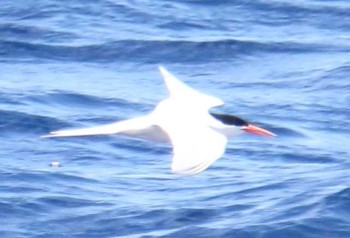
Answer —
(285, 66)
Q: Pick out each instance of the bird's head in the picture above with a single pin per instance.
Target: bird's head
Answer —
(241, 125)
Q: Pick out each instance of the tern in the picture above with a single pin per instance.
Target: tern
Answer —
(198, 137)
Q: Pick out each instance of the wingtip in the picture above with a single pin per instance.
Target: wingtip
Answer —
(163, 71)
(173, 84)
(161, 68)
(47, 135)
(52, 134)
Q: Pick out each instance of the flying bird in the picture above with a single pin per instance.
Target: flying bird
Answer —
(198, 137)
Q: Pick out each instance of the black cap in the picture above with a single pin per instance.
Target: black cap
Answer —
(229, 119)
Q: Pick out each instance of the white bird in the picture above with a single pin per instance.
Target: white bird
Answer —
(198, 137)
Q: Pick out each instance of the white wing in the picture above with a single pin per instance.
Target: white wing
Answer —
(187, 95)
(197, 150)
(142, 127)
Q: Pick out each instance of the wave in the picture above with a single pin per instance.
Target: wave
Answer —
(336, 204)
(72, 99)
(155, 51)
(34, 34)
(13, 122)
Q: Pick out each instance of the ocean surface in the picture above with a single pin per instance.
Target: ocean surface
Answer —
(283, 65)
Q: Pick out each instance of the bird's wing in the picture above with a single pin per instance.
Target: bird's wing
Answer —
(182, 92)
(195, 150)
(128, 127)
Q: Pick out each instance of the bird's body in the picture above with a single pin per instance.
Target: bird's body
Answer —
(197, 136)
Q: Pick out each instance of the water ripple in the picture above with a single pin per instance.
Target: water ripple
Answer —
(167, 51)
